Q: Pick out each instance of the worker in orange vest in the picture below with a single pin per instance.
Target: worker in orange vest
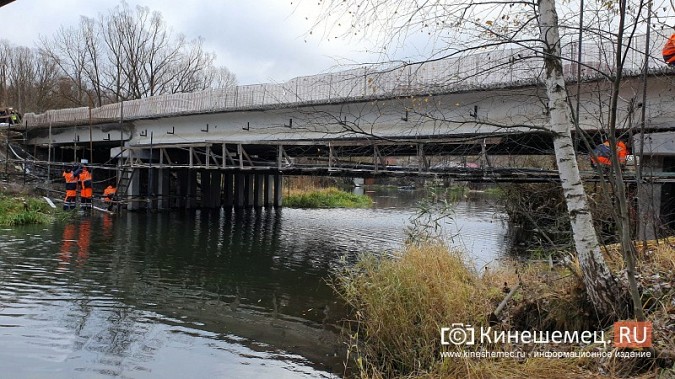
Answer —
(86, 189)
(602, 154)
(669, 51)
(108, 194)
(71, 189)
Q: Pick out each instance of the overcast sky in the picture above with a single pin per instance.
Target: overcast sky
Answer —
(260, 41)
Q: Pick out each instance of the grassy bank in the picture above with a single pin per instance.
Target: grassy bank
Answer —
(325, 198)
(400, 305)
(20, 210)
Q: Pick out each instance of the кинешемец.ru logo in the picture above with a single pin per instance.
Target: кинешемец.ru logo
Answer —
(633, 334)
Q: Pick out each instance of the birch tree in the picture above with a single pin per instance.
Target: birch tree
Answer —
(601, 286)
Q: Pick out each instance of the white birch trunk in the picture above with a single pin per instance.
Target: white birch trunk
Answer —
(601, 286)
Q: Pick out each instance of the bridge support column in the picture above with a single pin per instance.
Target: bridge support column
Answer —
(649, 200)
(205, 178)
(228, 193)
(269, 190)
(215, 189)
(153, 179)
(182, 191)
(249, 189)
(163, 189)
(191, 195)
(278, 189)
(259, 190)
(239, 190)
(134, 192)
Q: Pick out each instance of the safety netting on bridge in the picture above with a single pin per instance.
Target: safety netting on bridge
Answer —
(484, 69)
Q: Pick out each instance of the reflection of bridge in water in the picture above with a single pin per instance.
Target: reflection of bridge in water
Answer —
(233, 274)
(231, 146)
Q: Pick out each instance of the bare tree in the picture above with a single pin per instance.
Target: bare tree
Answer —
(221, 77)
(129, 53)
(68, 51)
(4, 52)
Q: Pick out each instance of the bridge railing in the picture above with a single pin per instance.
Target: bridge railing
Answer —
(481, 70)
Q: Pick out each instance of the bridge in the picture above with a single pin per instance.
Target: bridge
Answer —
(419, 119)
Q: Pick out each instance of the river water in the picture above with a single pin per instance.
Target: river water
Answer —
(217, 294)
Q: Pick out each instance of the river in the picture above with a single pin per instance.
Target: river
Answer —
(200, 294)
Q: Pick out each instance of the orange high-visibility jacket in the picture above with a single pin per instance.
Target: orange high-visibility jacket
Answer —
(621, 151)
(71, 184)
(85, 181)
(604, 159)
(108, 193)
(669, 51)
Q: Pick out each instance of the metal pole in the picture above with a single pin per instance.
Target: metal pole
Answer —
(151, 177)
(49, 152)
(7, 153)
(75, 145)
(91, 142)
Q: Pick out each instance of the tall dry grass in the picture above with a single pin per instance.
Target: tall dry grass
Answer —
(399, 306)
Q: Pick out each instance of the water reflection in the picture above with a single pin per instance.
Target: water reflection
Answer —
(193, 294)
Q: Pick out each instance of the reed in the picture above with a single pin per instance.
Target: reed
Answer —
(400, 304)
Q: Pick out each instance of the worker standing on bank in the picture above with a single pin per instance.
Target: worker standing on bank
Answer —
(86, 189)
(602, 154)
(71, 189)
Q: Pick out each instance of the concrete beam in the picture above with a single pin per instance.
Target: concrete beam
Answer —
(655, 143)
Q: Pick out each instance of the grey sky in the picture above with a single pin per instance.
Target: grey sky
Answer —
(260, 41)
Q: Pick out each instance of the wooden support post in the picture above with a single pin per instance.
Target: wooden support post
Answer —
(249, 189)
(216, 186)
(269, 190)
(191, 198)
(240, 151)
(153, 179)
(228, 195)
(258, 190)
(239, 190)
(163, 189)
(650, 202)
(181, 199)
(421, 160)
(376, 154)
(205, 189)
(278, 189)
(330, 156)
(134, 192)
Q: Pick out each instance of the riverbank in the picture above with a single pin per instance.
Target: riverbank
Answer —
(18, 207)
(325, 198)
(399, 306)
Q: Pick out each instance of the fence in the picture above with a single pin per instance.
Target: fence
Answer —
(484, 70)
